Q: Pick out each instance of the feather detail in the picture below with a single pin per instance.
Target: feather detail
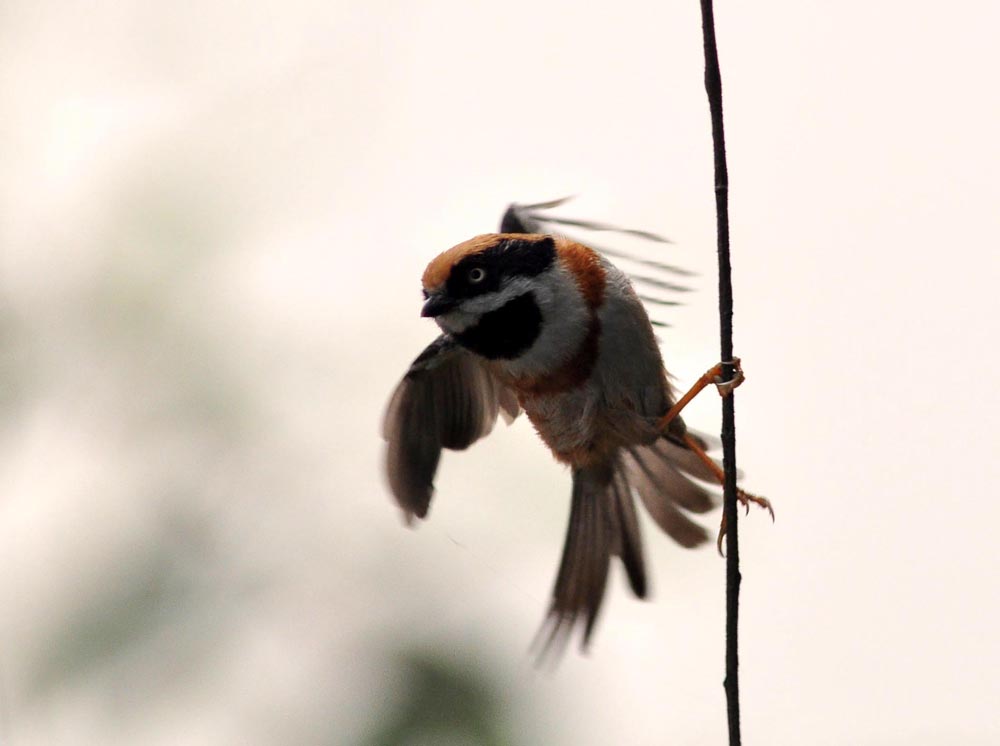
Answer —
(655, 472)
(448, 399)
(602, 523)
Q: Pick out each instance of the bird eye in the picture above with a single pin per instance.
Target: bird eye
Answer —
(477, 274)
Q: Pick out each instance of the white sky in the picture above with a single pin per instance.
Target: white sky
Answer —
(267, 180)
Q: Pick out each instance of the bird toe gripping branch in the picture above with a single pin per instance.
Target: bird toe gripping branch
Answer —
(726, 387)
(714, 376)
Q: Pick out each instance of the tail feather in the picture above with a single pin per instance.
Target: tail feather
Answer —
(659, 472)
(603, 523)
(660, 505)
(629, 546)
(583, 572)
(677, 456)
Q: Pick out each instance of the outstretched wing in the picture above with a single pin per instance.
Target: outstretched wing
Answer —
(447, 399)
(654, 280)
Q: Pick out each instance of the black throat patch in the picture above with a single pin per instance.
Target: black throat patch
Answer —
(508, 331)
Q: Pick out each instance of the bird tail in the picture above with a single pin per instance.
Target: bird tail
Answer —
(661, 473)
(603, 523)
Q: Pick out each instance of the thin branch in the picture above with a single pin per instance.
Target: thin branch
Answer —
(713, 87)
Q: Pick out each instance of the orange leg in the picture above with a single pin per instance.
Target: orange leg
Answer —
(712, 375)
(745, 498)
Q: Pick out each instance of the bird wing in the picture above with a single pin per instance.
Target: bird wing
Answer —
(447, 399)
(652, 278)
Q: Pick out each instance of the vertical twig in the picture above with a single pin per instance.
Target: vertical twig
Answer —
(713, 87)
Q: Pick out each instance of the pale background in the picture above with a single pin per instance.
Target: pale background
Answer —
(213, 219)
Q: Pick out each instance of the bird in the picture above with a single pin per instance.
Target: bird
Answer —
(538, 323)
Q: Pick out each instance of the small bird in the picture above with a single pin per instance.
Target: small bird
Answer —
(539, 323)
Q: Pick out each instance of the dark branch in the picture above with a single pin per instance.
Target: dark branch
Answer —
(713, 87)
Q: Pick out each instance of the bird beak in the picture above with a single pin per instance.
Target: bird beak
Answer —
(438, 304)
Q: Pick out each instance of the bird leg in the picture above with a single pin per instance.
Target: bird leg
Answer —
(712, 375)
(744, 497)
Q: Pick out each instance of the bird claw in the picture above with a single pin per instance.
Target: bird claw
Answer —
(726, 387)
(745, 499)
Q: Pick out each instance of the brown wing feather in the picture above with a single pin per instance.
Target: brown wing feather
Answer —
(447, 399)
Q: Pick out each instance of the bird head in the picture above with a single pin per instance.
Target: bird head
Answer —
(487, 291)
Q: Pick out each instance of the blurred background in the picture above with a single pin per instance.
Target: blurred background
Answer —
(213, 220)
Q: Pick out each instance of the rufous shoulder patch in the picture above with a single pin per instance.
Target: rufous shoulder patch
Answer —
(585, 264)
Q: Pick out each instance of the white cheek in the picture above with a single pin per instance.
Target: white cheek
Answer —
(492, 301)
(456, 322)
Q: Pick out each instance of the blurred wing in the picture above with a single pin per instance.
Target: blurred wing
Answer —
(648, 275)
(447, 399)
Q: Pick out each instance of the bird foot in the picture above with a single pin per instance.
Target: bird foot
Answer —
(725, 388)
(745, 499)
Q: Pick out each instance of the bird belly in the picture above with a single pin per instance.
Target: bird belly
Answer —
(569, 423)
